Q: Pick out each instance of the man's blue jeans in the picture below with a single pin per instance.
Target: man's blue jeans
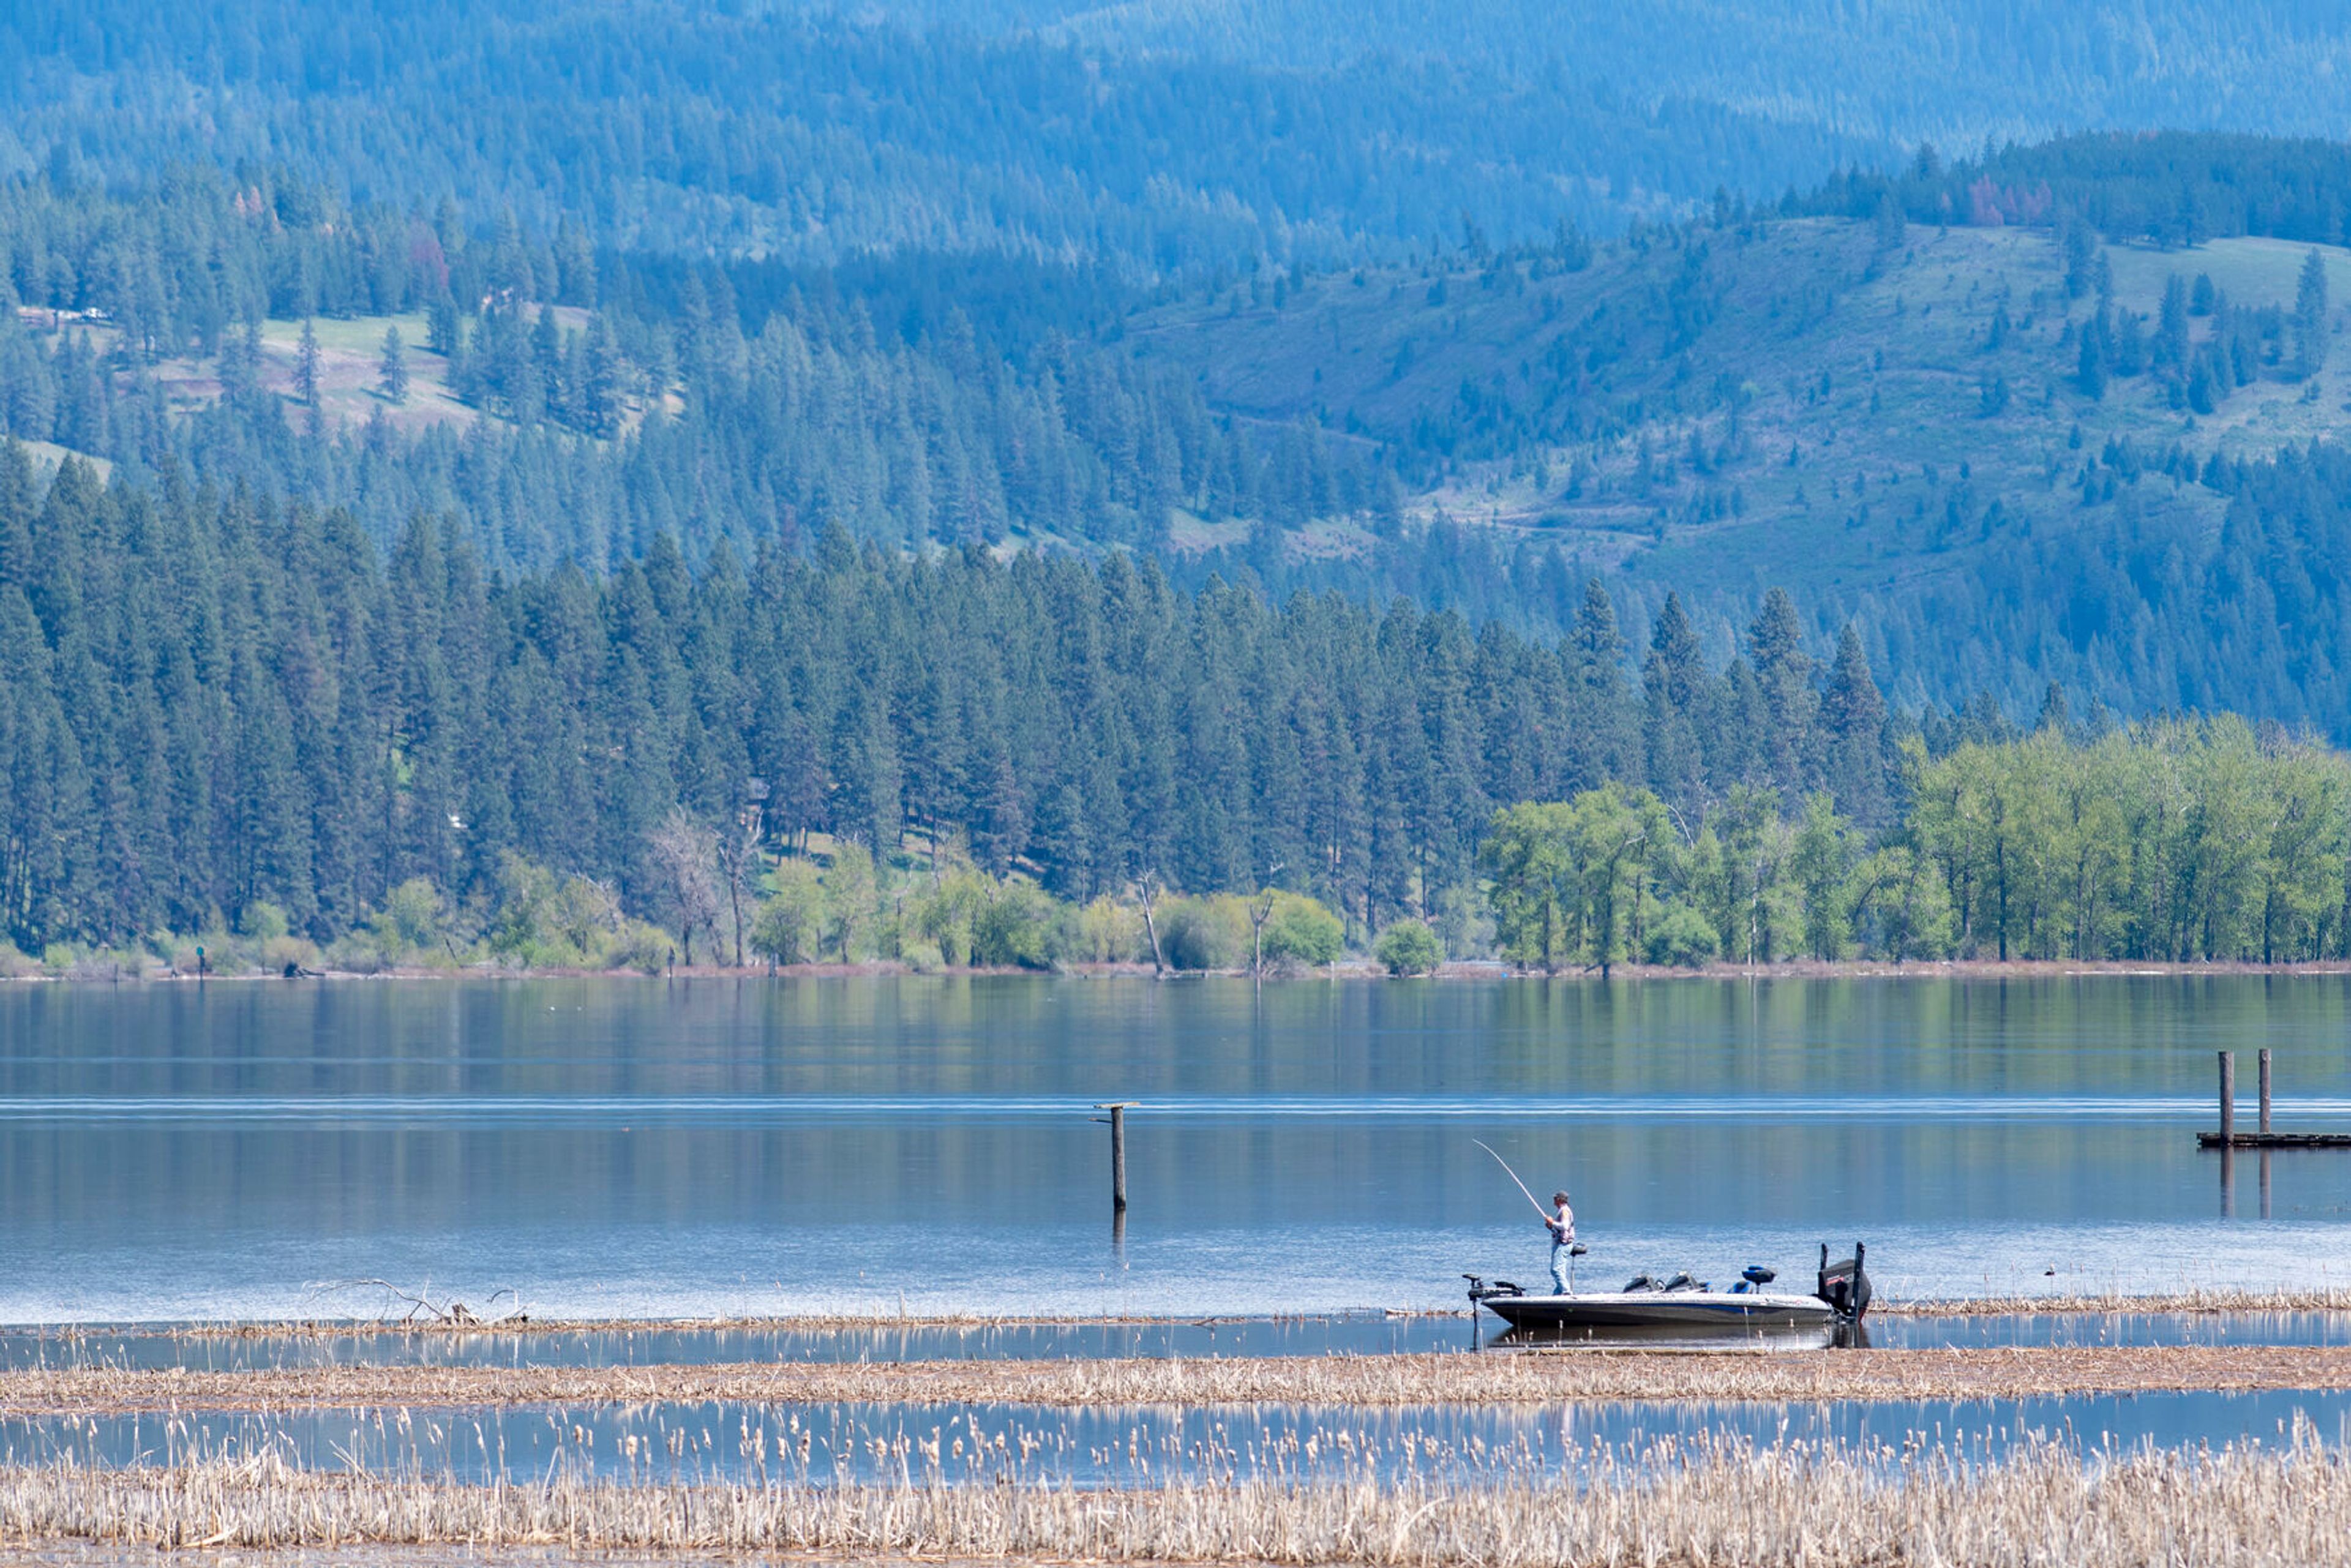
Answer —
(1559, 1260)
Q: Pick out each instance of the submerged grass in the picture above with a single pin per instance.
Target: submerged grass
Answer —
(1374, 1381)
(1703, 1504)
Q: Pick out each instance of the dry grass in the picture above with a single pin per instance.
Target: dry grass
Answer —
(1714, 1505)
(1375, 1381)
(2324, 1298)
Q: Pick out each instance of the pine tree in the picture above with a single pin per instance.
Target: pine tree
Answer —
(306, 364)
(2090, 365)
(1783, 682)
(2171, 331)
(392, 381)
(1599, 746)
(1679, 708)
(441, 326)
(1852, 727)
(2310, 316)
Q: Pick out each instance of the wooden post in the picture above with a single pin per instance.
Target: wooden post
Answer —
(1118, 1158)
(2228, 1097)
(1118, 1110)
(2265, 1090)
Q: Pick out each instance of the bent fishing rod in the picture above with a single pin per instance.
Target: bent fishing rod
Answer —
(1514, 1176)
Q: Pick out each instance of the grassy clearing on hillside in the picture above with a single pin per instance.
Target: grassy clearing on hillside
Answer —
(351, 360)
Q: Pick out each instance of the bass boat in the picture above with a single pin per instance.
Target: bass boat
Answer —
(1681, 1305)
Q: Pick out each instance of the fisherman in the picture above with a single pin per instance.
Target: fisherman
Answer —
(1563, 1242)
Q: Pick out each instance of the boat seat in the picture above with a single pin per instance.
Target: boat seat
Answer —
(1756, 1274)
(1639, 1282)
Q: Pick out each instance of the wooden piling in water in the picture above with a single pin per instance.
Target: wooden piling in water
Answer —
(2228, 1097)
(2228, 1137)
(1118, 1110)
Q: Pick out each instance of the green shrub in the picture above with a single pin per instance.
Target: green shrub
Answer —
(1020, 926)
(262, 922)
(1110, 931)
(1409, 947)
(1301, 930)
(1204, 933)
(787, 926)
(1682, 940)
(637, 946)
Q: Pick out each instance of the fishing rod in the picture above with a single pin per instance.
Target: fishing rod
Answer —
(1514, 1176)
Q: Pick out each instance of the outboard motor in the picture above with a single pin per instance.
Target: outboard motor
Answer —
(1844, 1284)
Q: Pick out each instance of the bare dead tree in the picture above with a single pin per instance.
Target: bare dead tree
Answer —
(1260, 910)
(687, 854)
(1146, 891)
(738, 862)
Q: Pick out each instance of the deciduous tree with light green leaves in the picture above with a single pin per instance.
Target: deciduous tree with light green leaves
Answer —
(1568, 880)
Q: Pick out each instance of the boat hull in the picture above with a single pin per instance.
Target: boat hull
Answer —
(1680, 1311)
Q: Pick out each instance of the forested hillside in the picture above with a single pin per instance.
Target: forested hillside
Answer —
(2014, 452)
(224, 716)
(219, 703)
(1131, 446)
(794, 131)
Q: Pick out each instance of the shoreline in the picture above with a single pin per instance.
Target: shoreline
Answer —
(1350, 969)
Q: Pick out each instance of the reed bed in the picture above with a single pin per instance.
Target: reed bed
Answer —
(2006, 1373)
(2199, 1303)
(1708, 1504)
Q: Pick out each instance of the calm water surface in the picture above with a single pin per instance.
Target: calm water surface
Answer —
(640, 1148)
(663, 1442)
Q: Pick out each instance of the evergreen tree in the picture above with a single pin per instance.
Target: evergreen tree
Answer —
(1853, 732)
(1783, 734)
(1677, 709)
(308, 360)
(392, 380)
(2310, 323)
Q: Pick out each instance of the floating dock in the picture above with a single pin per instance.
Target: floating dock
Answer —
(2228, 1137)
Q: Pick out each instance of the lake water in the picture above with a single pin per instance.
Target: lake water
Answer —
(1228, 1339)
(726, 1441)
(646, 1148)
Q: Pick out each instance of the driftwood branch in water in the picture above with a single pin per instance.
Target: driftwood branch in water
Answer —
(420, 1303)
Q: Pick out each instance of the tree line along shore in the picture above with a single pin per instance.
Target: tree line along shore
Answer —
(240, 726)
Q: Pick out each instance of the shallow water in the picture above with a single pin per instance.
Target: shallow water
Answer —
(724, 1441)
(1235, 1338)
(758, 1148)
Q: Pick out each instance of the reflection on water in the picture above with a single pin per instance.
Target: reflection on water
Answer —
(661, 1443)
(757, 1147)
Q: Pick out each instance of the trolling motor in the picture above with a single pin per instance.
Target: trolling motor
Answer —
(1844, 1284)
(1480, 1292)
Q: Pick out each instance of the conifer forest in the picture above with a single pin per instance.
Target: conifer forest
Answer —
(619, 485)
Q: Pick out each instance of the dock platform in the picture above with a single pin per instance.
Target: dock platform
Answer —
(2273, 1140)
